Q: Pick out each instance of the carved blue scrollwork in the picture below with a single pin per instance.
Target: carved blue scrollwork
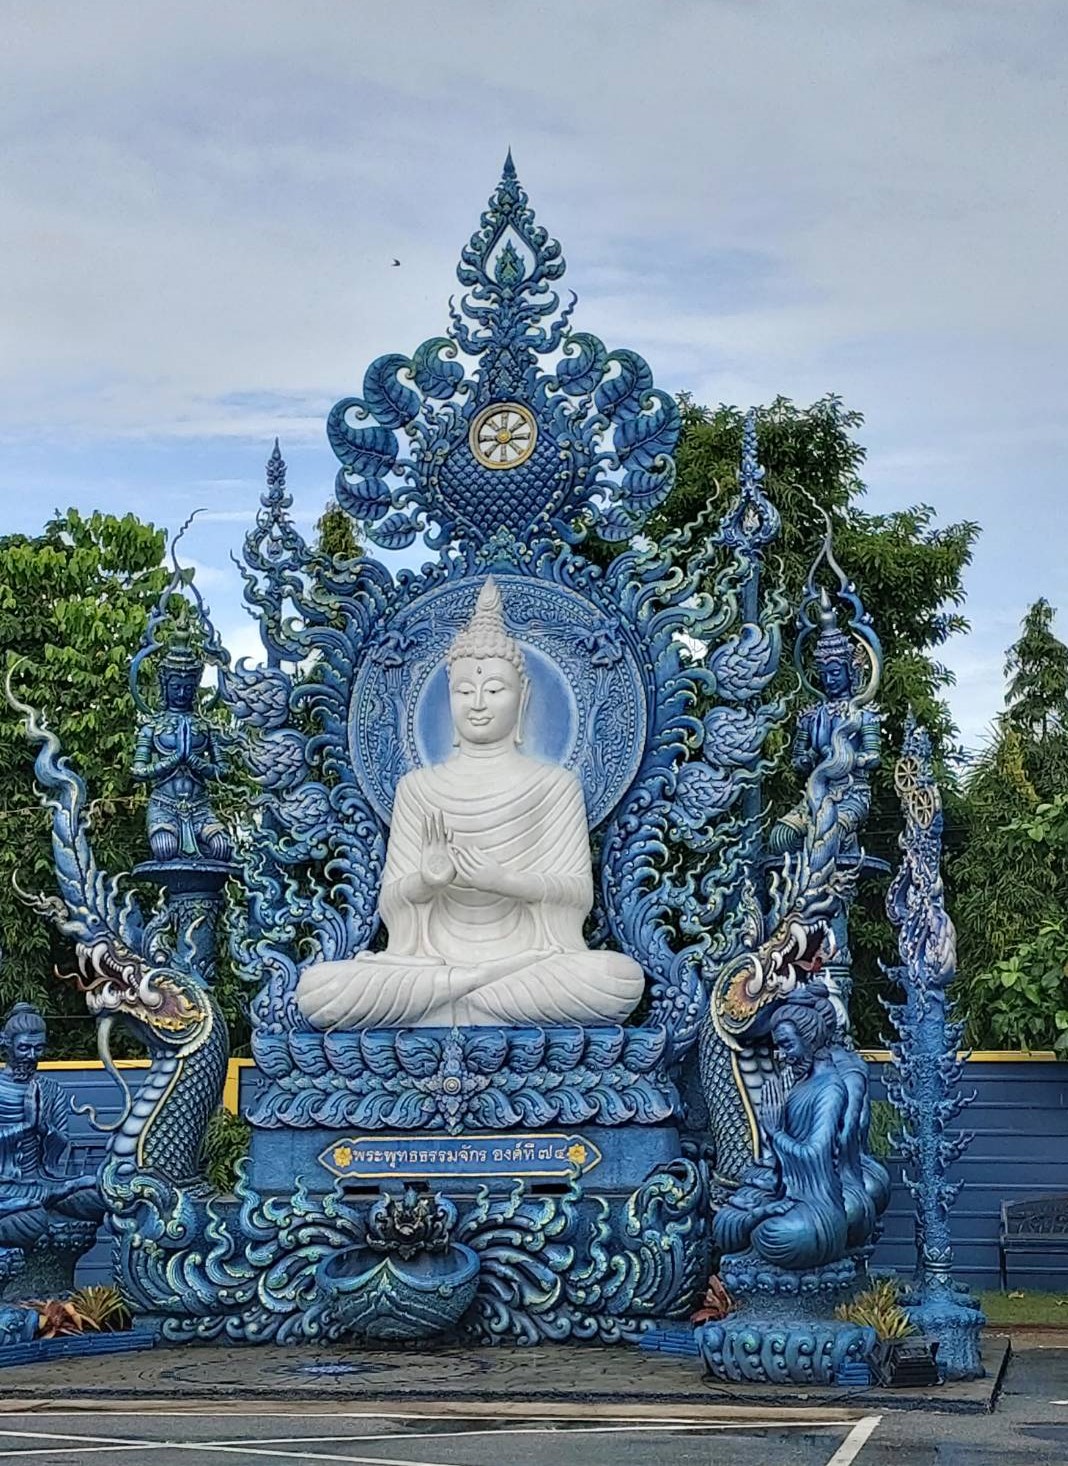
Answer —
(666, 741)
(505, 444)
(478, 1078)
(814, 852)
(525, 1268)
(626, 728)
(550, 1271)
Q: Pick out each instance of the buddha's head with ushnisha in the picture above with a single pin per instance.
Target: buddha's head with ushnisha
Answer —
(488, 684)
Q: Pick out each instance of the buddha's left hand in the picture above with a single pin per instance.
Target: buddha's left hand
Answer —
(480, 872)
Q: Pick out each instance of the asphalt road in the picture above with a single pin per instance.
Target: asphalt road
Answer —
(235, 1440)
(1029, 1428)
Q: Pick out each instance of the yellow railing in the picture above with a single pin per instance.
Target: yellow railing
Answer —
(229, 1089)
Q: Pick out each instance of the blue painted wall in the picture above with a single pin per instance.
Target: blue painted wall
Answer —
(1020, 1120)
(1020, 1150)
(93, 1087)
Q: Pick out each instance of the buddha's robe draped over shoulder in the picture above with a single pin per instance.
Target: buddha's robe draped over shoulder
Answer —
(471, 957)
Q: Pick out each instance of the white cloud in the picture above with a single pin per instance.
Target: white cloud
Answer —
(201, 203)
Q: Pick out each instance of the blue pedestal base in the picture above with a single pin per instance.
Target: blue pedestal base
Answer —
(784, 1330)
(603, 1246)
(950, 1316)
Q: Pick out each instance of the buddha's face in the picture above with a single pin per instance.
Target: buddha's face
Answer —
(485, 695)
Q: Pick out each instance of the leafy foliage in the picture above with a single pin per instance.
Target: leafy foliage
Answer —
(1013, 933)
(59, 1316)
(74, 601)
(884, 1127)
(336, 533)
(717, 1303)
(226, 1142)
(1010, 876)
(878, 1308)
(102, 1307)
(1037, 697)
(909, 575)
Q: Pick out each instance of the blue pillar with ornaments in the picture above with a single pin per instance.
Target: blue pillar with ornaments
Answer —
(925, 1081)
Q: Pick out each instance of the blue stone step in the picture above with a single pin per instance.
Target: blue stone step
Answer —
(677, 1339)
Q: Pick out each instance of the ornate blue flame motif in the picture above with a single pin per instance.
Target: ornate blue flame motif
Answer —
(925, 1084)
(588, 444)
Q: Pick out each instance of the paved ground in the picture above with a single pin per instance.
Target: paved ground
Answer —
(1029, 1428)
(597, 1377)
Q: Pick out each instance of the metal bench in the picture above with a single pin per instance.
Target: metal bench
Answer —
(1037, 1225)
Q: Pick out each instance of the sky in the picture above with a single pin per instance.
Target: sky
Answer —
(201, 203)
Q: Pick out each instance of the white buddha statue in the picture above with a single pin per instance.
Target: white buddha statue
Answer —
(487, 879)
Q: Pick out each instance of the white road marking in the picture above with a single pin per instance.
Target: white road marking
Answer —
(55, 1435)
(855, 1441)
(633, 1428)
(23, 1453)
(214, 1447)
(290, 1455)
(94, 1444)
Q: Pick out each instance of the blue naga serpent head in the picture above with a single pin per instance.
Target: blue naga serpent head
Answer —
(122, 967)
(750, 985)
(163, 1006)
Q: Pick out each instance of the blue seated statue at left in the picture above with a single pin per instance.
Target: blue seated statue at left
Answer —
(35, 1187)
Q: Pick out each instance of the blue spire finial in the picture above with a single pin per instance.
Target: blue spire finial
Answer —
(750, 473)
(276, 469)
(752, 521)
(509, 166)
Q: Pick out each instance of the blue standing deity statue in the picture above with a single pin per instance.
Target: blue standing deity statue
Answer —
(177, 757)
(35, 1185)
(835, 715)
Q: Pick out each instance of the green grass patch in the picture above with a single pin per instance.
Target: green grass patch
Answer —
(1024, 1307)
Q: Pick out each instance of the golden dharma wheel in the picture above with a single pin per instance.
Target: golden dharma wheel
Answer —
(503, 435)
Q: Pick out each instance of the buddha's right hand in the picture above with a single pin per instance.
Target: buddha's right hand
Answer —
(435, 862)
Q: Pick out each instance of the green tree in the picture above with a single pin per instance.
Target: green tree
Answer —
(1010, 875)
(335, 533)
(1036, 666)
(74, 601)
(907, 570)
